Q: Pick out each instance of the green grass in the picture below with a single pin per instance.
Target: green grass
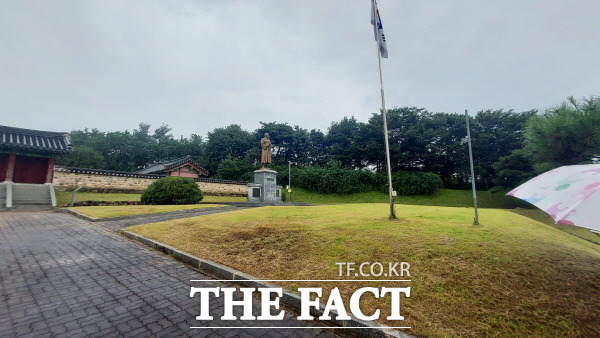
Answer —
(63, 198)
(444, 197)
(543, 217)
(511, 276)
(128, 210)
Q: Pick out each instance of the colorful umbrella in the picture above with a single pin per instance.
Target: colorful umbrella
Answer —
(570, 194)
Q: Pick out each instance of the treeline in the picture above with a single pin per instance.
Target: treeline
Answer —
(508, 147)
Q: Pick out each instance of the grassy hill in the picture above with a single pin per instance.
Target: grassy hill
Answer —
(444, 197)
(511, 276)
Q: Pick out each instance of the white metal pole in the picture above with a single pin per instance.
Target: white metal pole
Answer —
(385, 128)
(476, 220)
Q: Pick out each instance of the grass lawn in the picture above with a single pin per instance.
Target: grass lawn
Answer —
(63, 198)
(128, 210)
(444, 197)
(512, 276)
(543, 217)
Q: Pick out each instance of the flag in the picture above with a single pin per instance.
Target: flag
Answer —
(378, 30)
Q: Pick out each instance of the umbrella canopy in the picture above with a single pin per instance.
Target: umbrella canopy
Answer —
(570, 194)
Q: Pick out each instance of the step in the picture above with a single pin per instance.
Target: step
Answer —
(32, 207)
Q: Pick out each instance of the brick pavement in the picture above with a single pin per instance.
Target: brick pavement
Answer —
(64, 277)
(119, 224)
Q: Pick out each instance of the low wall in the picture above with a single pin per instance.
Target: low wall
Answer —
(96, 180)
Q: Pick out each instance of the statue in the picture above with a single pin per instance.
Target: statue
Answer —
(265, 157)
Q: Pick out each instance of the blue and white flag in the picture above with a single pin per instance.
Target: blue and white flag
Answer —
(378, 29)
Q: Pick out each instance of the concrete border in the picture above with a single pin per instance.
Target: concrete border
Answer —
(288, 298)
(178, 212)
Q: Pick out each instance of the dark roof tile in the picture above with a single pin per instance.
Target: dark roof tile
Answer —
(34, 140)
(162, 166)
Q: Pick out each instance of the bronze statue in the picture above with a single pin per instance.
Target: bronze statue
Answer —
(265, 156)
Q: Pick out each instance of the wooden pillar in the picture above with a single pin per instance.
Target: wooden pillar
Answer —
(50, 170)
(10, 169)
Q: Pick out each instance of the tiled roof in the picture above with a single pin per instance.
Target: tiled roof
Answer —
(34, 140)
(162, 166)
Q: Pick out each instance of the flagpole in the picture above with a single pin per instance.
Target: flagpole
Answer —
(385, 128)
(476, 219)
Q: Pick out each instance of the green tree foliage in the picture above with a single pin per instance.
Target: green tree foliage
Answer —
(172, 190)
(343, 143)
(420, 141)
(513, 170)
(233, 168)
(565, 135)
(496, 134)
(289, 143)
(334, 179)
(82, 157)
(231, 141)
(408, 183)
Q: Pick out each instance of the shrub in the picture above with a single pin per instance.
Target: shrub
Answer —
(407, 183)
(335, 180)
(172, 190)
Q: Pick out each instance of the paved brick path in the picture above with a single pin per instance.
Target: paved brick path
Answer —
(65, 277)
(119, 224)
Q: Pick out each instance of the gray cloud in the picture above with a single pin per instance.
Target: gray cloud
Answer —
(198, 65)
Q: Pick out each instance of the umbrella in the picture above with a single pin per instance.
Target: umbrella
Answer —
(569, 194)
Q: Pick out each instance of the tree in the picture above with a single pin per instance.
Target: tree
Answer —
(342, 143)
(83, 157)
(235, 169)
(317, 154)
(513, 170)
(564, 135)
(496, 133)
(229, 141)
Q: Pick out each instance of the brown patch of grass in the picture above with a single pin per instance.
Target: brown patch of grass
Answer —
(512, 276)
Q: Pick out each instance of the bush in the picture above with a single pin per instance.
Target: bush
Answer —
(407, 183)
(335, 180)
(172, 190)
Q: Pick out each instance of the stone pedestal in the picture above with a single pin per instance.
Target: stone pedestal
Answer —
(264, 188)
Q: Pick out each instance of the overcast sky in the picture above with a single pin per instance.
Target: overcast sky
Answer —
(198, 65)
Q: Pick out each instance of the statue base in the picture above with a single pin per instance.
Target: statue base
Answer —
(264, 188)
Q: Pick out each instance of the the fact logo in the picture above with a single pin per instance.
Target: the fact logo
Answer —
(310, 297)
(269, 297)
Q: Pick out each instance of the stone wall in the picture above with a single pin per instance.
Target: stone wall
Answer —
(96, 180)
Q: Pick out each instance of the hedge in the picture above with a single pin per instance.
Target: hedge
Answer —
(172, 190)
(347, 181)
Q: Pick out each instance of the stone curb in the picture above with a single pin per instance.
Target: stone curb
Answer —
(247, 280)
(118, 218)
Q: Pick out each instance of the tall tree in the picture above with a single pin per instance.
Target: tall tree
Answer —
(342, 142)
(496, 133)
(229, 141)
(564, 135)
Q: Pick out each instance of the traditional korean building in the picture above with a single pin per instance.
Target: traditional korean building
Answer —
(27, 166)
(183, 166)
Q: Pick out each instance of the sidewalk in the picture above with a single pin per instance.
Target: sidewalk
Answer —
(65, 277)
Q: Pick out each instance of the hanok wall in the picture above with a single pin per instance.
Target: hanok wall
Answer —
(96, 180)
